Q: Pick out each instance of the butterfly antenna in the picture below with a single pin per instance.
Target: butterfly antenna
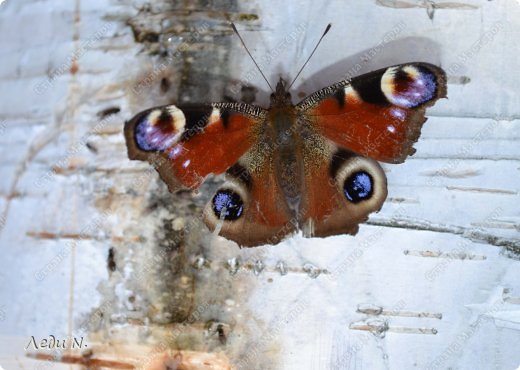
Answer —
(248, 52)
(310, 56)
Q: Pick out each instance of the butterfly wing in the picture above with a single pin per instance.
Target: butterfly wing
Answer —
(377, 116)
(187, 143)
(250, 207)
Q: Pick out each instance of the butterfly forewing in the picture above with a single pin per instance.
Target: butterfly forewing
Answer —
(379, 114)
(187, 143)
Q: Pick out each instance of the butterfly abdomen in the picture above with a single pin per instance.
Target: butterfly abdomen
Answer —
(288, 167)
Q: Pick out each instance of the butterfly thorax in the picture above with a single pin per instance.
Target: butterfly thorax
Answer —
(288, 167)
(282, 115)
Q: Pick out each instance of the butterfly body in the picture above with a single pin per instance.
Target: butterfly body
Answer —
(310, 166)
(287, 146)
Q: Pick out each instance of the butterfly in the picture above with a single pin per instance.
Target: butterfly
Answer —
(311, 166)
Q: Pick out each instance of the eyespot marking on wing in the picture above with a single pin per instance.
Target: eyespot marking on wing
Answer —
(409, 86)
(159, 129)
(361, 180)
(358, 187)
(227, 205)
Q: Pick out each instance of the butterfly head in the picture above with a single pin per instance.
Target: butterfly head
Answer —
(281, 96)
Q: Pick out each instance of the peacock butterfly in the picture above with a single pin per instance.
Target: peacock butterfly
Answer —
(310, 166)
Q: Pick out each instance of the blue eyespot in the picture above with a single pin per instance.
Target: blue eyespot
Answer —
(358, 186)
(155, 130)
(230, 203)
(413, 86)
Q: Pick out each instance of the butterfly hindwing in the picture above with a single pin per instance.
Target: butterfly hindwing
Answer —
(250, 207)
(341, 188)
(186, 143)
(379, 114)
